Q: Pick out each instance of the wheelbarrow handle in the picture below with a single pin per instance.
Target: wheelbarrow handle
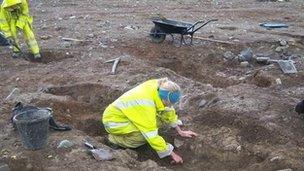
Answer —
(199, 22)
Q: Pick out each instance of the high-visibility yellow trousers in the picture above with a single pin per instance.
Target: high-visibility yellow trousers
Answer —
(28, 35)
(131, 140)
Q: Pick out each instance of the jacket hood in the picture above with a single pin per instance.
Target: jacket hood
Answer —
(9, 3)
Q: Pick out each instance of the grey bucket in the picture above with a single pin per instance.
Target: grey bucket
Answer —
(33, 127)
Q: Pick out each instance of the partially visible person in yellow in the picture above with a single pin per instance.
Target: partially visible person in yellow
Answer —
(134, 118)
(14, 17)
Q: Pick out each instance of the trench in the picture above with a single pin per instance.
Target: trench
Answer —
(84, 105)
(216, 63)
(203, 64)
(86, 101)
(50, 55)
(206, 64)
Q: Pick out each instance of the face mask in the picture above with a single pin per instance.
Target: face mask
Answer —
(172, 97)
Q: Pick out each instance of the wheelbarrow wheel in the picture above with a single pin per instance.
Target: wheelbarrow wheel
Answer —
(157, 35)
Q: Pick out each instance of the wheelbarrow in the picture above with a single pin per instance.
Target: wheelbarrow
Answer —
(163, 27)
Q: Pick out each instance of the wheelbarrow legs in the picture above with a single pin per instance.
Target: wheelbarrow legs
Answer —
(191, 42)
(182, 41)
(172, 38)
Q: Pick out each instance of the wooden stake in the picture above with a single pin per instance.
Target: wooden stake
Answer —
(71, 39)
(116, 61)
(212, 40)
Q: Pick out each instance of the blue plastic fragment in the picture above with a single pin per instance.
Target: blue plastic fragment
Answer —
(273, 25)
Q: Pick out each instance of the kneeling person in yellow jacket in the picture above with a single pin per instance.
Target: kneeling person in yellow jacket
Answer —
(132, 120)
(14, 15)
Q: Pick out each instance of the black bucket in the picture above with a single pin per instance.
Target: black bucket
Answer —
(33, 127)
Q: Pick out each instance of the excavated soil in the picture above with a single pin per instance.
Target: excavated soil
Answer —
(244, 117)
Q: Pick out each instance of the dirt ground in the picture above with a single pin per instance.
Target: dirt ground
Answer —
(247, 123)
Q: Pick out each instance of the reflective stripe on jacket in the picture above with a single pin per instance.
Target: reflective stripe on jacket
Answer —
(136, 110)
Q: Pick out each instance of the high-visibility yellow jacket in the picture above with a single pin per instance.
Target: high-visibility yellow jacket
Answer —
(18, 19)
(137, 110)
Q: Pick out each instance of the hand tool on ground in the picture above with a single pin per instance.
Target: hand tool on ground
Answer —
(98, 153)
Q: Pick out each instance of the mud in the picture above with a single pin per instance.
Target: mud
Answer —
(48, 56)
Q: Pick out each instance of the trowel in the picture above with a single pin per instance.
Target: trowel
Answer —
(99, 153)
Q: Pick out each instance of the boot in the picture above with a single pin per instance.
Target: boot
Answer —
(57, 127)
(16, 55)
(37, 56)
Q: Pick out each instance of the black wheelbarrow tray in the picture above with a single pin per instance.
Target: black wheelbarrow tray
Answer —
(163, 27)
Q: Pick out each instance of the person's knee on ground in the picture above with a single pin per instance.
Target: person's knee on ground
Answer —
(37, 56)
(131, 140)
(16, 54)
